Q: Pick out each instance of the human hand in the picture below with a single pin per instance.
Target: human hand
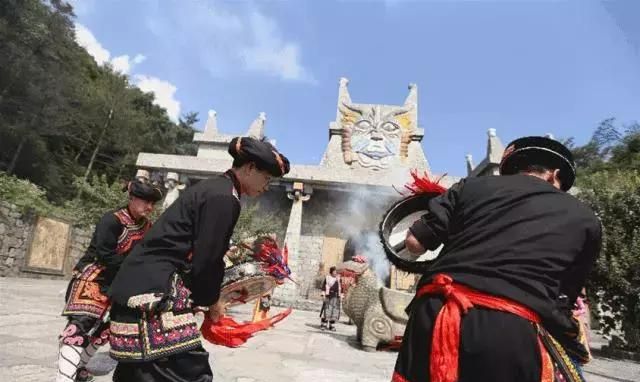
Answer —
(413, 245)
(217, 310)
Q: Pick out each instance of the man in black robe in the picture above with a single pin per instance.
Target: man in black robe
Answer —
(85, 302)
(178, 266)
(512, 245)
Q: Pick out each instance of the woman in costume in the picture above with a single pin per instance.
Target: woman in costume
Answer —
(179, 266)
(86, 303)
(331, 292)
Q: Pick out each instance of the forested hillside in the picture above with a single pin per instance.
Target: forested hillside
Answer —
(63, 118)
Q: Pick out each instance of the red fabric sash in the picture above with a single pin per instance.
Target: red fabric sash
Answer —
(229, 333)
(446, 332)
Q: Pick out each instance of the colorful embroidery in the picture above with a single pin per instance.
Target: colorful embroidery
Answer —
(72, 336)
(125, 341)
(565, 368)
(158, 335)
(102, 338)
(181, 295)
(125, 329)
(171, 321)
(85, 297)
(132, 232)
(144, 301)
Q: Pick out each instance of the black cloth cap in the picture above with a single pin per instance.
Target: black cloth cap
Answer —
(262, 153)
(144, 191)
(541, 151)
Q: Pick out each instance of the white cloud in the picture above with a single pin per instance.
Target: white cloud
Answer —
(269, 53)
(164, 92)
(123, 64)
(87, 40)
(82, 7)
(228, 40)
(139, 58)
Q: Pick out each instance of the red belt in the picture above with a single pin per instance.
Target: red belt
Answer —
(446, 332)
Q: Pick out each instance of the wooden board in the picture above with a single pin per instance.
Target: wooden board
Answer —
(48, 247)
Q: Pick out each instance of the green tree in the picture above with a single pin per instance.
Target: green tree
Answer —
(251, 223)
(609, 181)
(62, 115)
(25, 195)
(97, 196)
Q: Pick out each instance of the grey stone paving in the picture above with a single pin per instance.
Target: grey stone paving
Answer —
(295, 351)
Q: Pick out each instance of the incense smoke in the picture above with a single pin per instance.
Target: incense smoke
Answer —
(363, 212)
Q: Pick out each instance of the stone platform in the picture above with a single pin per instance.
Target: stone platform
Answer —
(295, 351)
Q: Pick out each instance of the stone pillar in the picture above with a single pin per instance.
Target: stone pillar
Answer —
(289, 291)
(469, 164)
(143, 175)
(173, 186)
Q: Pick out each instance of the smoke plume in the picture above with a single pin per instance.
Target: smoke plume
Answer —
(363, 213)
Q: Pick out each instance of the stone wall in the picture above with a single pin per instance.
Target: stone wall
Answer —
(309, 262)
(317, 214)
(16, 229)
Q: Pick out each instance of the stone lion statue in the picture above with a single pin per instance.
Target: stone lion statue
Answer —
(378, 312)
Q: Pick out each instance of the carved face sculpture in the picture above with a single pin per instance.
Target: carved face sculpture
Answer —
(375, 135)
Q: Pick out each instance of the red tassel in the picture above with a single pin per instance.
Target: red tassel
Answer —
(229, 333)
(424, 185)
(274, 261)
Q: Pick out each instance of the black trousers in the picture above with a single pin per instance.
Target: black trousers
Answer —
(494, 346)
(190, 366)
(77, 331)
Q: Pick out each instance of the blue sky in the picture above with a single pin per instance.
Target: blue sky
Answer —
(521, 67)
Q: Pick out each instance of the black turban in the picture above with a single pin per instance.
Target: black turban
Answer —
(540, 151)
(144, 191)
(262, 153)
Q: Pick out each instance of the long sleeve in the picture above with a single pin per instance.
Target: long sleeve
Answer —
(106, 239)
(215, 220)
(577, 275)
(560, 321)
(432, 229)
